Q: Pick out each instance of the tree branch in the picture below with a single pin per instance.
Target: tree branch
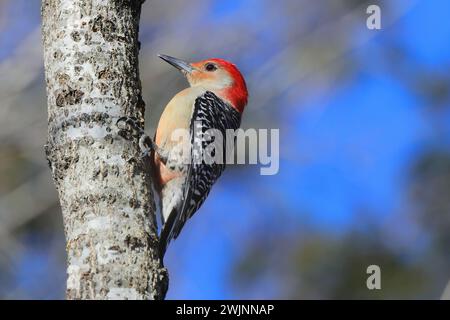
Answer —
(91, 66)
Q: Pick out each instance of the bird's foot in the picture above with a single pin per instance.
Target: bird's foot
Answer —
(129, 128)
(146, 145)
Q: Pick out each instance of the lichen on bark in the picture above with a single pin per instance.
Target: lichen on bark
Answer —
(91, 66)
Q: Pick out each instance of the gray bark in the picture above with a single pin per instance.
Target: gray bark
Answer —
(91, 66)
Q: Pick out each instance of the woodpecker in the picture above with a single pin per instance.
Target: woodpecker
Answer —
(216, 100)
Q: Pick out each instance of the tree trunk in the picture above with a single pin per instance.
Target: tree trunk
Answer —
(91, 65)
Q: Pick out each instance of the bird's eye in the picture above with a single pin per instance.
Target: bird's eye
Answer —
(210, 67)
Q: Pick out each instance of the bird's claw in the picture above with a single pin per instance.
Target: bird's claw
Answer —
(131, 123)
(129, 127)
(146, 145)
(121, 119)
(145, 154)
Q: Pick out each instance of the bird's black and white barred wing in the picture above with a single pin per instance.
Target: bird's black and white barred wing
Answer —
(210, 112)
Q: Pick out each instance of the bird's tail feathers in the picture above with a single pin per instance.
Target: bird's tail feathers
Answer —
(166, 234)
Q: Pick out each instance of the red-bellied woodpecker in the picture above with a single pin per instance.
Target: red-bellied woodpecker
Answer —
(215, 100)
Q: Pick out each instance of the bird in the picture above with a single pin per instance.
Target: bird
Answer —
(215, 99)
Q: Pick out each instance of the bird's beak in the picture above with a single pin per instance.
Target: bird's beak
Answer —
(181, 65)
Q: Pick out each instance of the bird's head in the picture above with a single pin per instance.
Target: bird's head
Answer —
(216, 75)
